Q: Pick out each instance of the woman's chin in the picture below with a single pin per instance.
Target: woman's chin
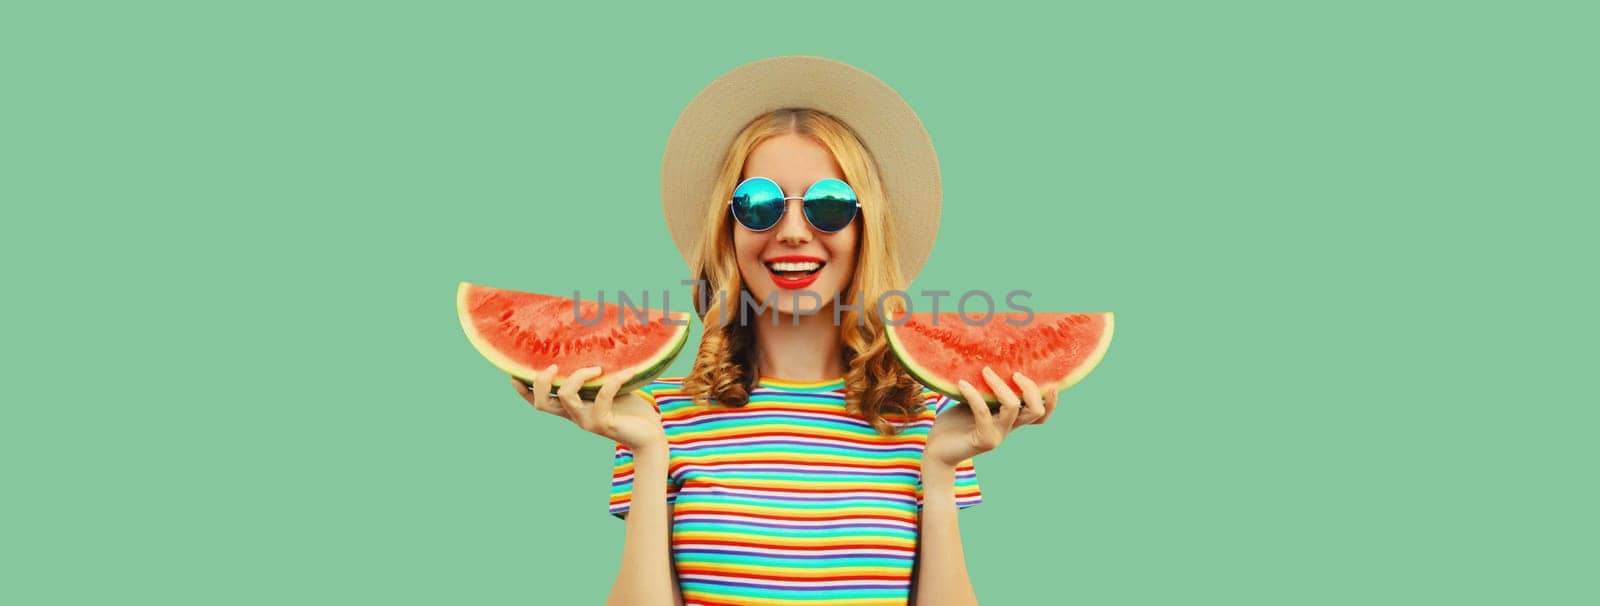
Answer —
(804, 307)
(790, 305)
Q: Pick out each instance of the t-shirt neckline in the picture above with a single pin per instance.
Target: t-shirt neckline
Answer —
(793, 385)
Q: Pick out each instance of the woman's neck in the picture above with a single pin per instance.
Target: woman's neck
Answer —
(807, 350)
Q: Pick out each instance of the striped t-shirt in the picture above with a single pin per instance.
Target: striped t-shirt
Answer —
(790, 498)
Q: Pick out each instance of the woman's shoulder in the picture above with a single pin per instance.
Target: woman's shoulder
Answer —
(933, 399)
(663, 386)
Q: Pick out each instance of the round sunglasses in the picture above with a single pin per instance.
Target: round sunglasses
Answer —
(829, 205)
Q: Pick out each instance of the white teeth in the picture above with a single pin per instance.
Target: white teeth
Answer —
(792, 266)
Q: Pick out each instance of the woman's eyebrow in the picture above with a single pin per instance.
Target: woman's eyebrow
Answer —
(802, 190)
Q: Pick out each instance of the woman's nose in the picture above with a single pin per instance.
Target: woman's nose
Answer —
(793, 228)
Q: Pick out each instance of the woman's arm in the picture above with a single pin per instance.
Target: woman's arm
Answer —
(958, 434)
(646, 575)
(941, 564)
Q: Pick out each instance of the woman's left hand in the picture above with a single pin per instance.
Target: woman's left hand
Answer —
(964, 432)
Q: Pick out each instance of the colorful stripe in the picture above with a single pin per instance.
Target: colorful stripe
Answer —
(790, 497)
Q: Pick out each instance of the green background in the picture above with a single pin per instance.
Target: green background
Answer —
(1346, 245)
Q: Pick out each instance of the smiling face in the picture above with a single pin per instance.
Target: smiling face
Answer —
(793, 256)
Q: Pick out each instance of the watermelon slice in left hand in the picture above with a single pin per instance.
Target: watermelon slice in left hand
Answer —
(522, 333)
(1055, 350)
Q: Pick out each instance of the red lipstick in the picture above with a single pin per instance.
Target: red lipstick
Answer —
(793, 282)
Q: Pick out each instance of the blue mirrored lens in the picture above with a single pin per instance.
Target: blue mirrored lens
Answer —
(758, 203)
(830, 205)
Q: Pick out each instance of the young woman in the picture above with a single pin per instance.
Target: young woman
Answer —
(797, 461)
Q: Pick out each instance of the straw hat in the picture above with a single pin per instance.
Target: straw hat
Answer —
(882, 120)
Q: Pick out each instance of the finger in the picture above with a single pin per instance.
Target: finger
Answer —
(981, 417)
(974, 400)
(522, 389)
(602, 400)
(568, 394)
(528, 395)
(1049, 407)
(1030, 396)
(1009, 404)
(541, 391)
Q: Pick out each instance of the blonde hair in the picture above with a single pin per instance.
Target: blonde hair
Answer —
(876, 385)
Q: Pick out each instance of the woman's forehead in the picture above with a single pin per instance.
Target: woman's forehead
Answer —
(793, 161)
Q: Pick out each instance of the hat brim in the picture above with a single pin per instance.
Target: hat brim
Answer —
(885, 123)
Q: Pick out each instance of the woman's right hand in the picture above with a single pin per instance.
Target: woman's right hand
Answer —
(627, 419)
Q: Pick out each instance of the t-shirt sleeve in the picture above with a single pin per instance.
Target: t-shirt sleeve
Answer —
(622, 469)
(967, 491)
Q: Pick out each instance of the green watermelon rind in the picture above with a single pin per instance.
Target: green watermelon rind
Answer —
(950, 388)
(639, 376)
(640, 379)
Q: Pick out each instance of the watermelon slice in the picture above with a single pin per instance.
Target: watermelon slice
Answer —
(1055, 350)
(523, 333)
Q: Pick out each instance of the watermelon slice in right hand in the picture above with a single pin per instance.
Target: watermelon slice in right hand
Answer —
(523, 333)
(1055, 350)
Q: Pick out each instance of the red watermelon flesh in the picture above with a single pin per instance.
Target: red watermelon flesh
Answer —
(523, 333)
(1055, 350)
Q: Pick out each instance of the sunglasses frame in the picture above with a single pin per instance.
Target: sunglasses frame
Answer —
(803, 199)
